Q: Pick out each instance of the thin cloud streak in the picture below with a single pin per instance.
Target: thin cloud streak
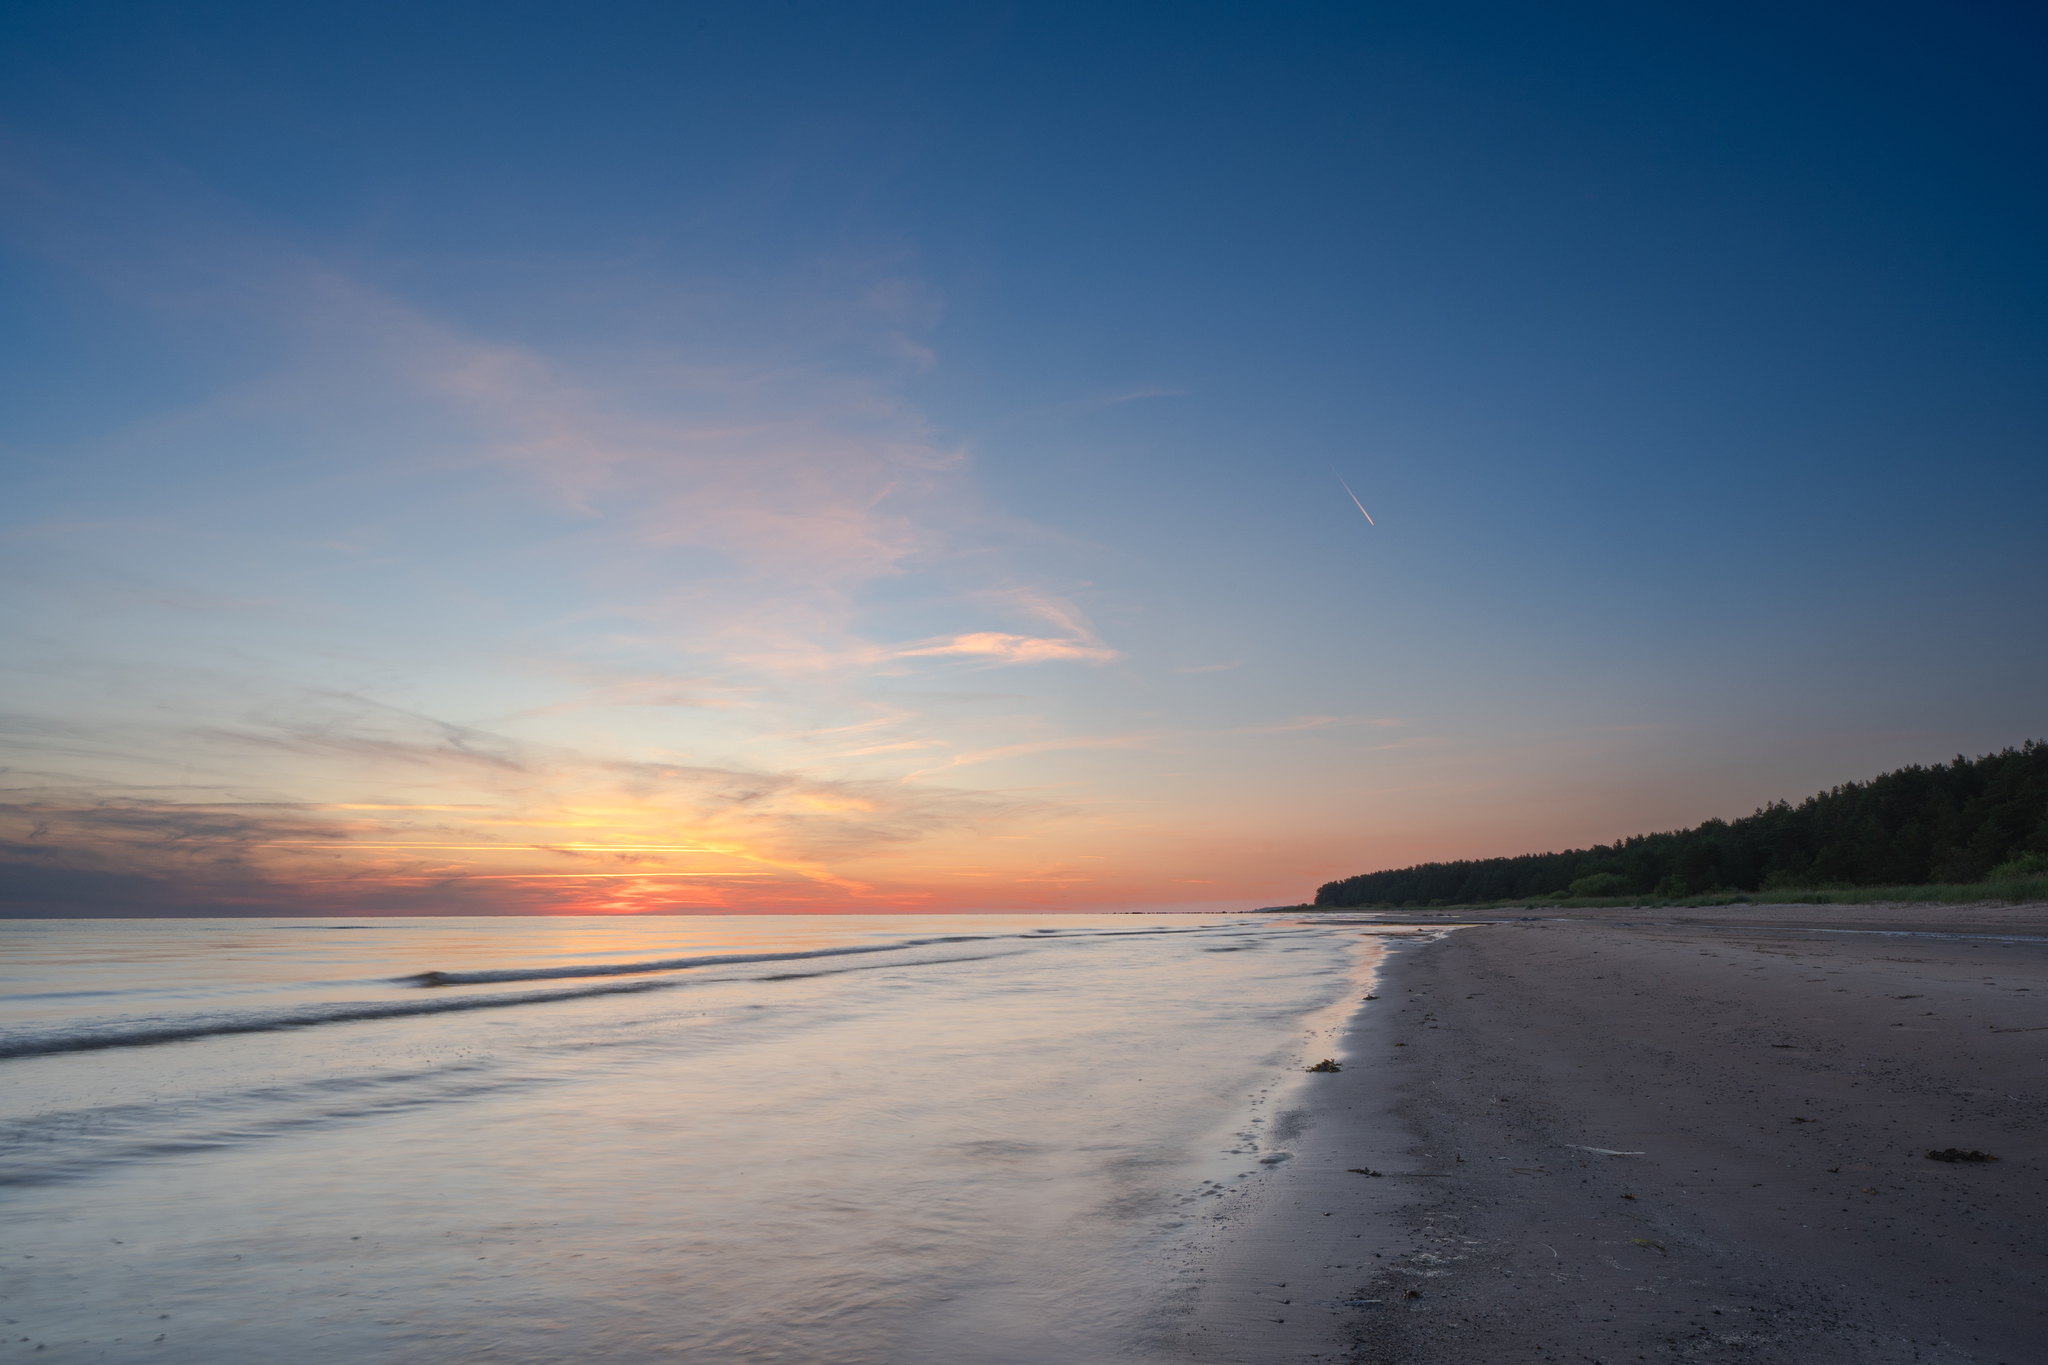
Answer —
(1354, 498)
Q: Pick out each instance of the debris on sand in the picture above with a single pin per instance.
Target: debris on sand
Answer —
(1361, 1170)
(1958, 1154)
(1327, 1064)
(1649, 1242)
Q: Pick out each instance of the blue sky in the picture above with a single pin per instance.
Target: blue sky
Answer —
(788, 456)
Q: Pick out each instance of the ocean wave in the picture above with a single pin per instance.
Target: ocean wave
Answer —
(871, 966)
(87, 1036)
(500, 975)
(145, 1030)
(673, 964)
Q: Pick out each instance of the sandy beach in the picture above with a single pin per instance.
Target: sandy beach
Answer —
(1616, 1136)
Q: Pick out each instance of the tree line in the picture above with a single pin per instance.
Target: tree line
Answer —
(1949, 823)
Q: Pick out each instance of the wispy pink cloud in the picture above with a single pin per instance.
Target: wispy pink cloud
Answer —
(998, 647)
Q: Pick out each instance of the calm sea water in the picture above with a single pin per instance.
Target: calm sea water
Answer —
(811, 1140)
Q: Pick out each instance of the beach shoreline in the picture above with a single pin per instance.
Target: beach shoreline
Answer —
(1278, 1281)
(1638, 1135)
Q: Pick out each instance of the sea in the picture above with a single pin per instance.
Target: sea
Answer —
(778, 1140)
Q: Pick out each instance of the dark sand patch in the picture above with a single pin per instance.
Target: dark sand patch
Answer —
(1783, 1087)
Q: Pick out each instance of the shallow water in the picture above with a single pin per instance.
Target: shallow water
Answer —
(901, 1139)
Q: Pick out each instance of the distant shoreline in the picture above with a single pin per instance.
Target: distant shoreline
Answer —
(1951, 831)
(2031, 893)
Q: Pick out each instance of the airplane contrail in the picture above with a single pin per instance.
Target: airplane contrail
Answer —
(1361, 506)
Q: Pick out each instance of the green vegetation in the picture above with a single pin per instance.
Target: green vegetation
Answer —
(1936, 893)
(2026, 865)
(1974, 829)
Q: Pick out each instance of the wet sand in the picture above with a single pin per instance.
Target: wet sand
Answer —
(1775, 1089)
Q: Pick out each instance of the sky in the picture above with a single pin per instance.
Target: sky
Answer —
(627, 458)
